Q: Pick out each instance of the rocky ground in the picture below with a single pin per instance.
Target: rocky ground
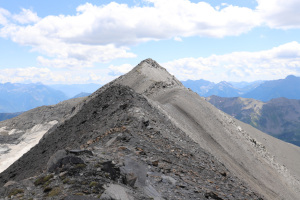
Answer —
(124, 149)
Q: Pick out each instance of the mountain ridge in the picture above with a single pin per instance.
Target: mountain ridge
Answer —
(140, 114)
(182, 105)
(267, 165)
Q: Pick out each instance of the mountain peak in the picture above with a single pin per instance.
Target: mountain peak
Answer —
(290, 77)
(148, 75)
(151, 63)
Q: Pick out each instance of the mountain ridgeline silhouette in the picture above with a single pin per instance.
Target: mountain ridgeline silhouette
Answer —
(259, 90)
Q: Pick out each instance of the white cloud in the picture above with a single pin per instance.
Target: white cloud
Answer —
(3, 16)
(104, 33)
(24, 74)
(47, 36)
(122, 25)
(26, 17)
(78, 55)
(283, 14)
(48, 76)
(119, 70)
(275, 63)
(178, 39)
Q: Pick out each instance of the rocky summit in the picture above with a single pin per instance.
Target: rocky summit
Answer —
(146, 136)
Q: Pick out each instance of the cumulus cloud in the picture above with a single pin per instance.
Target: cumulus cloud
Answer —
(119, 25)
(47, 36)
(104, 33)
(51, 76)
(119, 70)
(178, 39)
(78, 55)
(26, 17)
(281, 14)
(97, 34)
(3, 16)
(274, 63)
(240, 66)
(24, 74)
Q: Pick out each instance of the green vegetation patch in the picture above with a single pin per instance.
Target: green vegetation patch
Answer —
(43, 180)
(66, 180)
(15, 191)
(93, 184)
(54, 192)
(80, 166)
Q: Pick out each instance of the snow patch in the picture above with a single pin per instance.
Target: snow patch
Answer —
(3, 130)
(9, 153)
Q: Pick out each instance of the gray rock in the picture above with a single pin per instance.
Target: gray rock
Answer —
(116, 192)
(55, 158)
(80, 152)
(135, 169)
(169, 179)
(111, 141)
(150, 191)
(74, 197)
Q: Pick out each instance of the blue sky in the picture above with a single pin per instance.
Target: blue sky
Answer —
(75, 41)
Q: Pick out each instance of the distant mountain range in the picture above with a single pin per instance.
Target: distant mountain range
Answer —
(288, 88)
(16, 97)
(278, 117)
(5, 116)
(22, 97)
(224, 89)
(75, 89)
(82, 94)
(259, 90)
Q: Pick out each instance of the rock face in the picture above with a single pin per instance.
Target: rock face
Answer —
(145, 136)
